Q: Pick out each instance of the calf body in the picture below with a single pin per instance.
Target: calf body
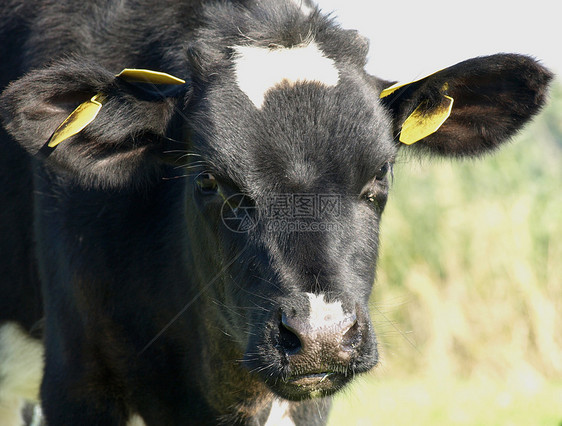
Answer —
(203, 250)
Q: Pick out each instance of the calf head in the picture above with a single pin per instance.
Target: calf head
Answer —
(288, 152)
(298, 145)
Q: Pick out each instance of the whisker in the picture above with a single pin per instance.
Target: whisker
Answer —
(193, 300)
(395, 327)
(184, 153)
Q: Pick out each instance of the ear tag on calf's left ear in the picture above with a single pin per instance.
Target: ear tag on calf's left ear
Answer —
(422, 123)
(391, 89)
(133, 75)
(83, 115)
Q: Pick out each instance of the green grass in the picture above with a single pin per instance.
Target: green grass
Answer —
(518, 401)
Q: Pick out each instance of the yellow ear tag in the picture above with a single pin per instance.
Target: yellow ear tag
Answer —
(77, 120)
(133, 75)
(390, 90)
(420, 124)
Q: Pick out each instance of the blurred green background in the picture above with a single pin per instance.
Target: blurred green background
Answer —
(468, 300)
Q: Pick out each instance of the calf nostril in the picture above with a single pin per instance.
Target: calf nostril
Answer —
(352, 336)
(288, 339)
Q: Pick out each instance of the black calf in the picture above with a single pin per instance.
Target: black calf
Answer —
(201, 249)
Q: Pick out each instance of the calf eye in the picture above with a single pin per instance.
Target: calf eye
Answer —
(384, 171)
(376, 191)
(207, 184)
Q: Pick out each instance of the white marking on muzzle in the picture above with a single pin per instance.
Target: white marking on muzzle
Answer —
(324, 314)
(279, 415)
(259, 69)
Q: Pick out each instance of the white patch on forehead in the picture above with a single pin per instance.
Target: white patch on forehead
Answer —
(303, 6)
(323, 314)
(260, 69)
(279, 414)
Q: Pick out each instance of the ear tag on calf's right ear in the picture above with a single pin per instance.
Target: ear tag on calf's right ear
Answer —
(421, 124)
(133, 75)
(78, 119)
(86, 112)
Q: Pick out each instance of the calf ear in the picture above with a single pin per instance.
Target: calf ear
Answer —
(469, 108)
(115, 136)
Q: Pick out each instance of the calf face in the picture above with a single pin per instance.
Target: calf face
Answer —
(298, 157)
(285, 148)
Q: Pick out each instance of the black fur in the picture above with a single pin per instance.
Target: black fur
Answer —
(116, 237)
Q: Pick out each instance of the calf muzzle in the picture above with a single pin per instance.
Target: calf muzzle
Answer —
(320, 344)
